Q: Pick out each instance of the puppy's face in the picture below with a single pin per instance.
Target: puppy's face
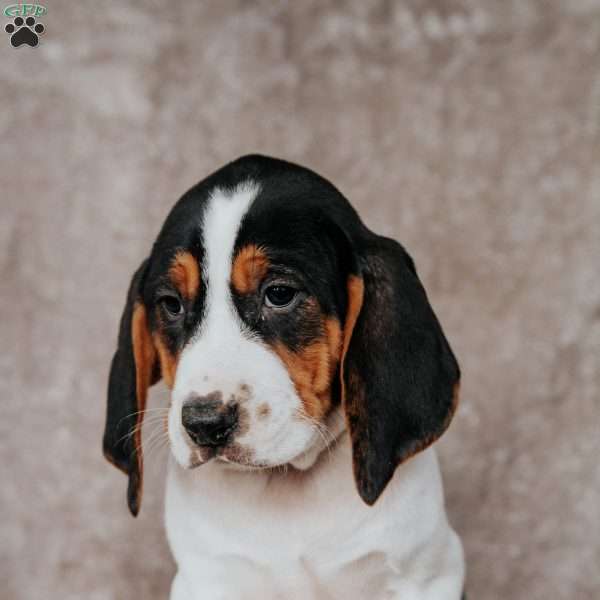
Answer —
(264, 305)
(247, 325)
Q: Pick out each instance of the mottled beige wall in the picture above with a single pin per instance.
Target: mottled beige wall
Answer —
(468, 129)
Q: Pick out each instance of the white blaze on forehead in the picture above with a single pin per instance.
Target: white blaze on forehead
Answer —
(221, 224)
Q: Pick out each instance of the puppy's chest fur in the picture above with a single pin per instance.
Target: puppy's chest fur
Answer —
(306, 535)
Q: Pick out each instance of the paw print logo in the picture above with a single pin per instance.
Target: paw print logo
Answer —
(24, 31)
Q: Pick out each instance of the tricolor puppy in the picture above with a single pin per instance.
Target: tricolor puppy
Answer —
(309, 378)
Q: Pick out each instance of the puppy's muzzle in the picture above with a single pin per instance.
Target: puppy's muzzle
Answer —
(209, 422)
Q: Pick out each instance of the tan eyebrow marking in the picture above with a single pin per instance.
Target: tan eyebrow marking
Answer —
(249, 267)
(184, 273)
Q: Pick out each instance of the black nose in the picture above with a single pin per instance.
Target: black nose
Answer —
(209, 422)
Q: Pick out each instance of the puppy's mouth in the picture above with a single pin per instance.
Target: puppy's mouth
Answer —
(231, 454)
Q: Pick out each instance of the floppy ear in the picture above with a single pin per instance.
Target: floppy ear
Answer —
(399, 376)
(133, 370)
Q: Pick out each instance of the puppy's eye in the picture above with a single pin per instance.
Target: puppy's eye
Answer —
(172, 306)
(279, 296)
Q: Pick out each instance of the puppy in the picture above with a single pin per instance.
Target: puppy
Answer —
(309, 378)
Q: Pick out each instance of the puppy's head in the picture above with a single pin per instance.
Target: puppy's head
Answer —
(264, 305)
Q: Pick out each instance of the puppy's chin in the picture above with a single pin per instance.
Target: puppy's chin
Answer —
(234, 457)
(232, 465)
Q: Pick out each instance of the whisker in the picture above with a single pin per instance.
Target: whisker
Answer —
(139, 412)
(138, 428)
(321, 429)
(154, 439)
(157, 444)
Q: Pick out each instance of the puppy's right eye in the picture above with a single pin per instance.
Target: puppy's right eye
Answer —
(172, 306)
(280, 296)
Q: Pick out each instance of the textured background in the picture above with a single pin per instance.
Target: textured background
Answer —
(469, 130)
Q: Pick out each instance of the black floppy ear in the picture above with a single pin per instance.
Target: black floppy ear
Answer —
(399, 376)
(133, 370)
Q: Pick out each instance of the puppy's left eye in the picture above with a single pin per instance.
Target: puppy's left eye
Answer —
(172, 306)
(280, 296)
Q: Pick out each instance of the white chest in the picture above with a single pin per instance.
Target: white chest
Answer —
(305, 535)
